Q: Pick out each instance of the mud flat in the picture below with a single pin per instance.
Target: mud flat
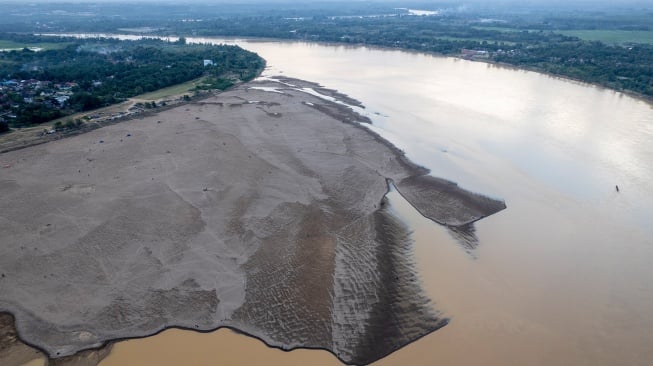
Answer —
(260, 209)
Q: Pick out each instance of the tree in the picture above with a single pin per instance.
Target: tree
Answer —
(84, 101)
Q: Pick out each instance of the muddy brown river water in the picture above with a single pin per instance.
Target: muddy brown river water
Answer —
(562, 277)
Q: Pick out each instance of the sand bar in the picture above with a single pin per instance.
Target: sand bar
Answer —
(256, 210)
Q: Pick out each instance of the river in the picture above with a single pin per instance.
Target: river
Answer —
(564, 274)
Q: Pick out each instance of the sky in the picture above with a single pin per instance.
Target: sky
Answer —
(543, 2)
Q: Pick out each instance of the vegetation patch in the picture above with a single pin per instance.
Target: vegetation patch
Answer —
(174, 90)
(625, 37)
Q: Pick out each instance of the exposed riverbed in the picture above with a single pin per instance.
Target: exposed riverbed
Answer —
(563, 275)
(261, 211)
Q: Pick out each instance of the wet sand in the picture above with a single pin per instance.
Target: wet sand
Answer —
(442, 347)
(262, 211)
(495, 316)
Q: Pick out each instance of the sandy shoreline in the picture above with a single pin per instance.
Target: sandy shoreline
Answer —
(256, 210)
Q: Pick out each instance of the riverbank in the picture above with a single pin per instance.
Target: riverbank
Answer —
(458, 56)
(21, 138)
(631, 93)
(123, 231)
(643, 97)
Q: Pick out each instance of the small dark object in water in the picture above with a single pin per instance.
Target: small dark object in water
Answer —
(617, 188)
(101, 141)
(129, 135)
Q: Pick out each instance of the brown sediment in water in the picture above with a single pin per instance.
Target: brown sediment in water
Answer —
(264, 218)
(179, 347)
(12, 350)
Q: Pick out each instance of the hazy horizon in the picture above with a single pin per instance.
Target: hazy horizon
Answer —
(408, 2)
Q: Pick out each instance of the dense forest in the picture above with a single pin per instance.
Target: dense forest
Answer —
(79, 75)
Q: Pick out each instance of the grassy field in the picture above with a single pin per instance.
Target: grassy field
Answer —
(605, 35)
(171, 91)
(5, 44)
(612, 36)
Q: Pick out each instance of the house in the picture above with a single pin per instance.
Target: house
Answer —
(208, 63)
(474, 54)
(61, 98)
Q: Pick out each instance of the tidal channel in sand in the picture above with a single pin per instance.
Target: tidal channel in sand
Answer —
(560, 277)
